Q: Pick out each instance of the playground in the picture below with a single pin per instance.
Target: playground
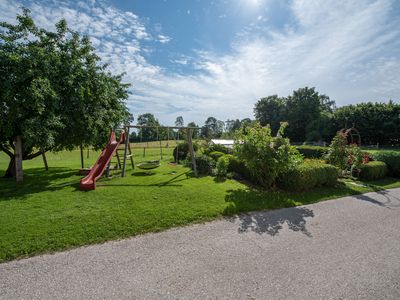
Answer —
(48, 212)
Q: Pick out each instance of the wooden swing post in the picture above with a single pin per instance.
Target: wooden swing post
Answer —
(125, 150)
(190, 142)
(189, 136)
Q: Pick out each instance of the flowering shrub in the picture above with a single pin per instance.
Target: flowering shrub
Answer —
(355, 159)
(264, 155)
(338, 154)
(351, 160)
(366, 158)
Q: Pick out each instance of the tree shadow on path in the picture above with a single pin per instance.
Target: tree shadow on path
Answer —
(271, 221)
(385, 199)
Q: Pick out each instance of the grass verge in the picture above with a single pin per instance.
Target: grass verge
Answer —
(48, 212)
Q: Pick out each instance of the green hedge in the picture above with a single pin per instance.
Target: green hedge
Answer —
(219, 148)
(205, 164)
(308, 175)
(239, 168)
(392, 160)
(216, 154)
(183, 150)
(373, 170)
(312, 151)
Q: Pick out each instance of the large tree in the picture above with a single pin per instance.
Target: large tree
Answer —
(302, 108)
(212, 128)
(196, 132)
(149, 131)
(271, 110)
(307, 112)
(54, 92)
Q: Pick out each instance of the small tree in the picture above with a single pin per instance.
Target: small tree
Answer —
(179, 121)
(266, 156)
(338, 153)
(348, 158)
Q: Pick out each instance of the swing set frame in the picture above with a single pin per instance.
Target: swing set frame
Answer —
(189, 133)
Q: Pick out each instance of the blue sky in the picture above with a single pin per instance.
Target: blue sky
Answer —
(200, 58)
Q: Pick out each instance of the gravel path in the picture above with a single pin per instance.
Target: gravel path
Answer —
(347, 248)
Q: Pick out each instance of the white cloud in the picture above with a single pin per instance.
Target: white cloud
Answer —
(346, 49)
(163, 39)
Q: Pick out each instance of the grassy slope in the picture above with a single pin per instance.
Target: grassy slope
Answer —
(48, 212)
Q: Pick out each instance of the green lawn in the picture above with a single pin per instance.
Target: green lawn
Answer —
(48, 212)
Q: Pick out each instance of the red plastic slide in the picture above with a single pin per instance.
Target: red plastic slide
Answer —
(89, 182)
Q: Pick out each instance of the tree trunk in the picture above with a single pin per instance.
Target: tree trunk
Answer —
(10, 172)
(46, 166)
(18, 159)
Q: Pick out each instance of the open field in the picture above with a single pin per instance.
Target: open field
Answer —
(48, 212)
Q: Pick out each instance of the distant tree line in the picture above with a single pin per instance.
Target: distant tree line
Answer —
(313, 117)
(212, 128)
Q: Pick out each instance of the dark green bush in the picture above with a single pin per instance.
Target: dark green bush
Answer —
(222, 166)
(239, 168)
(392, 160)
(183, 149)
(373, 170)
(215, 155)
(308, 175)
(205, 164)
(219, 148)
(312, 151)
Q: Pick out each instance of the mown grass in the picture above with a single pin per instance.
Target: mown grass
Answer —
(48, 212)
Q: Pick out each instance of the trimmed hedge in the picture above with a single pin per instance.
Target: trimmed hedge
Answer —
(239, 168)
(205, 164)
(373, 170)
(308, 175)
(392, 160)
(312, 151)
(219, 148)
(216, 155)
(222, 166)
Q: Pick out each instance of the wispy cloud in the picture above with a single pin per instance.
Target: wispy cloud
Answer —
(348, 50)
(163, 38)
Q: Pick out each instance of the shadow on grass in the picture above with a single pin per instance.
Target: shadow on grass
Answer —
(219, 179)
(38, 180)
(169, 183)
(143, 174)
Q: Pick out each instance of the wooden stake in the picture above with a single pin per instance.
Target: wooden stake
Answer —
(125, 151)
(190, 142)
(82, 162)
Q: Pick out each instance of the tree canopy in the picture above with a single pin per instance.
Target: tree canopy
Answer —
(304, 110)
(212, 128)
(314, 117)
(54, 91)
